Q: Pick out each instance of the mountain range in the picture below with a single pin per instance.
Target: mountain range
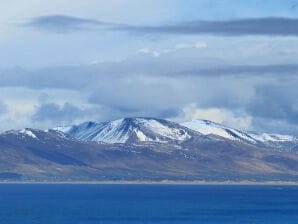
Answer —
(146, 149)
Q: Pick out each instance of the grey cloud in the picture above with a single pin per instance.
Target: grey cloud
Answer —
(110, 113)
(56, 113)
(270, 26)
(276, 102)
(273, 69)
(68, 113)
(81, 77)
(136, 96)
(154, 88)
(64, 77)
(43, 98)
(64, 24)
(164, 97)
(269, 125)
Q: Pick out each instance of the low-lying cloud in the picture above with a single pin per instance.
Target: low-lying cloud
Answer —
(244, 96)
(56, 113)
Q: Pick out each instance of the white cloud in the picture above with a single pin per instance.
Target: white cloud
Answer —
(182, 46)
(149, 51)
(200, 45)
(21, 104)
(177, 47)
(197, 45)
(223, 116)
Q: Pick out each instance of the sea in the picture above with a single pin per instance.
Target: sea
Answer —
(122, 203)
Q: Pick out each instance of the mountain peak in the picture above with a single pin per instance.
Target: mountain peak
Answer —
(126, 130)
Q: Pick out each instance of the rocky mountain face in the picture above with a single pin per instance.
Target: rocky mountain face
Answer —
(146, 149)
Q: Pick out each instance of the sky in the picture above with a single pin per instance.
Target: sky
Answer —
(230, 61)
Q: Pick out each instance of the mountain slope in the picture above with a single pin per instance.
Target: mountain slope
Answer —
(135, 130)
(206, 127)
(129, 130)
(274, 141)
(35, 155)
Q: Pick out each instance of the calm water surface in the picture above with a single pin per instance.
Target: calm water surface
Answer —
(86, 204)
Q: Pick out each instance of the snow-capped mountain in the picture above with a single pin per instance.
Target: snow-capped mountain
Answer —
(127, 130)
(206, 127)
(131, 130)
(154, 149)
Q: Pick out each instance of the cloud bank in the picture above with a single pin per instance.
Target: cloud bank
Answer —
(247, 96)
(267, 26)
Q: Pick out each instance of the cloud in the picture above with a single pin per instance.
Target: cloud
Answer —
(137, 95)
(3, 108)
(66, 113)
(64, 23)
(242, 96)
(151, 87)
(240, 70)
(61, 77)
(274, 107)
(269, 26)
(276, 102)
(272, 26)
(82, 77)
(177, 47)
(219, 115)
(200, 45)
(149, 51)
(196, 45)
(269, 125)
(52, 114)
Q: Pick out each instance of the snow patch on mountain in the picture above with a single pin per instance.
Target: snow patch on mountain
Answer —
(28, 133)
(273, 137)
(112, 132)
(61, 128)
(206, 127)
(163, 130)
(22, 133)
(142, 137)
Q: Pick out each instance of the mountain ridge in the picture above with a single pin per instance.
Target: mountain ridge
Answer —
(203, 127)
(167, 151)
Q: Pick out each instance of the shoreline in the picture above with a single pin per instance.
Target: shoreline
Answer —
(240, 183)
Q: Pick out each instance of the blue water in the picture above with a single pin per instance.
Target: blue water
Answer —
(71, 204)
